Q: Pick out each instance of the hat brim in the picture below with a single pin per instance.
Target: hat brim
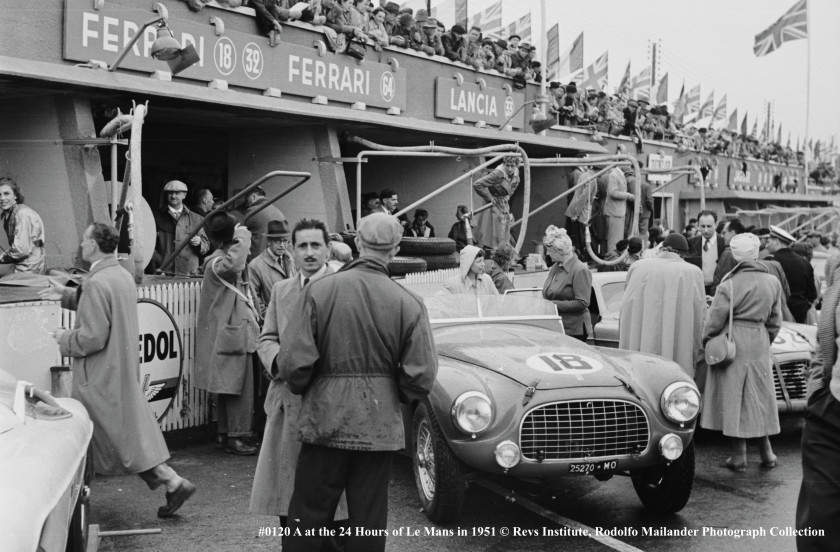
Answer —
(286, 235)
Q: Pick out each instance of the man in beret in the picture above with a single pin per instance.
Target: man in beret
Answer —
(799, 273)
(513, 42)
(454, 44)
(664, 304)
(364, 346)
(174, 222)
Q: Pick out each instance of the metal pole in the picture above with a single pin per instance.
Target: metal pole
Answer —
(810, 221)
(114, 192)
(567, 192)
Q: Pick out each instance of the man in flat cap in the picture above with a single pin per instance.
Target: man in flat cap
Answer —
(174, 222)
(799, 273)
(364, 346)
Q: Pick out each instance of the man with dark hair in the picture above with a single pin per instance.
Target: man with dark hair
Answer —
(726, 263)
(275, 474)
(420, 228)
(260, 215)
(106, 370)
(707, 248)
(227, 330)
(498, 265)
(799, 273)
(763, 236)
(24, 230)
(203, 202)
(174, 223)
(463, 230)
(361, 344)
(390, 205)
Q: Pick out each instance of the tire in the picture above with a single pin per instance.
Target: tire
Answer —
(438, 262)
(399, 266)
(439, 476)
(665, 489)
(420, 247)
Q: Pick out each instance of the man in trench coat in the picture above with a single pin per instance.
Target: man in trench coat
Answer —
(106, 370)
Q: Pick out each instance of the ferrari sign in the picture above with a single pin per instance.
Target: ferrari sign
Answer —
(161, 355)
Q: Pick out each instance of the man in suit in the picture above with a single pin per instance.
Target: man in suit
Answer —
(707, 248)
(275, 474)
(273, 265)
(799, 273)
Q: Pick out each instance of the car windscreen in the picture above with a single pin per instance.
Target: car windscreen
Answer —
(487, 306)
(613, 294)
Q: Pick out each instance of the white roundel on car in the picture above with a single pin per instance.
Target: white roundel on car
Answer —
(564, 363)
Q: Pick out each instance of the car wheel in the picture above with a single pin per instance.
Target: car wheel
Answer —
(439, 476)
(419, 247)
(77, 536)
(400, 266)
(665, 489)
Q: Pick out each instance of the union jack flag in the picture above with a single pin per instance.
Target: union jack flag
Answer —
(720, 111)
(596, 74)
(791, 26)
(521, 27)
(640, 85)
(624, 87)
(489, 20)
(706, 108)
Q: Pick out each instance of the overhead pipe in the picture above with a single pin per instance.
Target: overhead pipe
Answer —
(685, 169)
(303, 175)
(450, 152)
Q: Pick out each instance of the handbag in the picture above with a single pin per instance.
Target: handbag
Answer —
(720, 349)
(356, 49)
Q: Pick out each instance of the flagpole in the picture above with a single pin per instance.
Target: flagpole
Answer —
(807, 89)
(544, 40)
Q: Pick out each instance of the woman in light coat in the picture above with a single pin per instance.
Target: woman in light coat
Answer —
(740, 399)
(496, 189)
(569, 283)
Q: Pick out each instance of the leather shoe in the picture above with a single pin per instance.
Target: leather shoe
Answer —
(238, 446)
(176, 499)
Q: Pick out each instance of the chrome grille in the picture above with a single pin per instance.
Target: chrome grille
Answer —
(583, 429)
(795, 375)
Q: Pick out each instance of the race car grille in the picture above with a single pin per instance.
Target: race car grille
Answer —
(794, 374)
(583, 429)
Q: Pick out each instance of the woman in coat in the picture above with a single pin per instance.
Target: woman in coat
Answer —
(569, 283)
(740, 399)
(496, 189)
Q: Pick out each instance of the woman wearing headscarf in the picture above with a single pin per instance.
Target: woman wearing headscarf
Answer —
(740, 399)
(471, 278)
(569, 283)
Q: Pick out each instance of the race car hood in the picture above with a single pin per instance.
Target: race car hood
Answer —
(795, 338)
(529, 355)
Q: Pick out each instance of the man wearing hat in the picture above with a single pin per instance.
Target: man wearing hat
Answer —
(799, 273)
(513, 42)
(521, 59)
(392, 12)
(364, 345)
(226, 333)
(274, 264)
(431, 43)
(454, 44)
(174, 222)
(664, 304)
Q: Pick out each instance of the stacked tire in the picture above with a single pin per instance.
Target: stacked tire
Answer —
(438, 253)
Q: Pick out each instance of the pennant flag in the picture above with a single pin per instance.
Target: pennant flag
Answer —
(754, 132)
(779, 135)
(744, 125)
(624, 87)
(817, 151)
(595, 75)
(720, 111)
(706, 108)
(811, 144)
(640, 86)
(788, 142)
(679, 106)
(552, 55)
(662, 90)
(763, 137)
(570, 61)
(791, 26)
(797, 142)
(733, 121)
(461, 12)
(489, 20)
(692, 103)
(521, 27)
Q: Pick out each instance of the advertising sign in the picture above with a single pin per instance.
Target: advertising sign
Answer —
(473, 103)
(161, 355)
(241, 59)
(657, 161)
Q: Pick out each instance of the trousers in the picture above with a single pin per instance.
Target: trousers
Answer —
(818, 506)
(322, 474)
(235, 413)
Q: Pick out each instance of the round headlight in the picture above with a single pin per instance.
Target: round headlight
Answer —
(670, 447)
(680, 402)
(507, 454)
(472, 412)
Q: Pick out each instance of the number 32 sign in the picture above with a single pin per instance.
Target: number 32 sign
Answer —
(564, 363)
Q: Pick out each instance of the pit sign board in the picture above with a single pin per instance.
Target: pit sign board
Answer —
(474, 103)
(241, 59)
(161, 356)
(660, 161)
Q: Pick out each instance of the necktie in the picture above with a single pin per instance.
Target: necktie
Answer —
(706, 245)
(175, 215)
(305, 281)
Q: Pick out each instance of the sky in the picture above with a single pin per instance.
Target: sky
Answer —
(708, 42)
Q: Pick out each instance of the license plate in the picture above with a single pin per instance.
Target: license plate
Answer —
(593, 467)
